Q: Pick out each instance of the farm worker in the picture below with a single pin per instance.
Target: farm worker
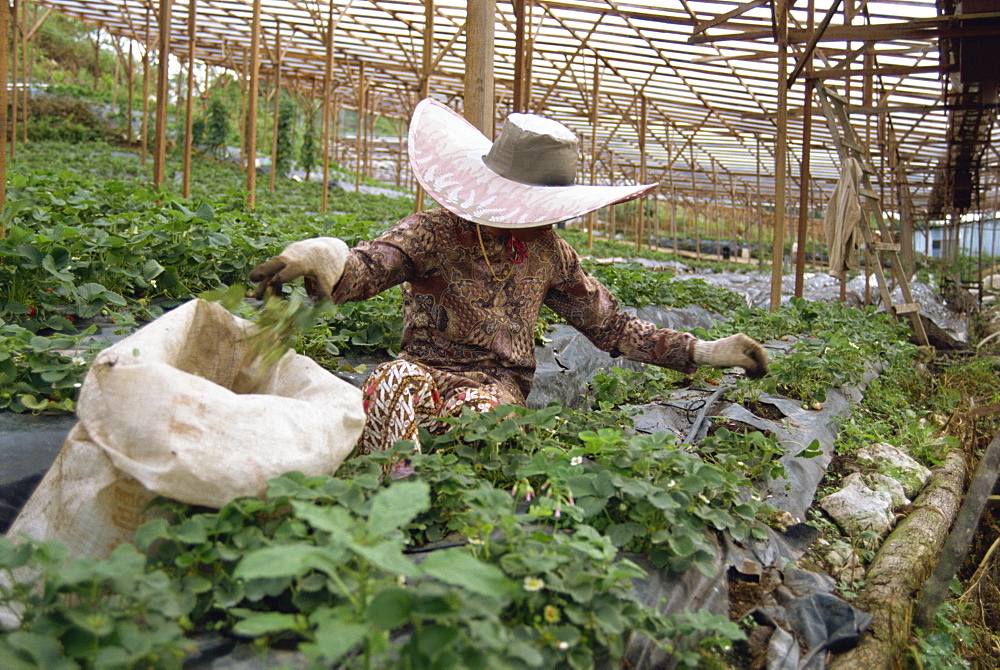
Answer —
(475, 273)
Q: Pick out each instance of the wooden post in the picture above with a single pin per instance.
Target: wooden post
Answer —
(522, 55)
(715, 221)
(800, 258)
(144, 129)
(252, 101)
(130, 76)
(694, 204)
(162, 93)
(399, 153)
(425, 78)
(12, 18)
(4, 36)
(613, 209)
(115, 76)
(641, 202)
(359, 142)
(28, 68)
(780, 151)
(189, 102)
(673, 192)
(277, 106)
(760, 211)
(595, 92)
(479, 95)
(327, 76)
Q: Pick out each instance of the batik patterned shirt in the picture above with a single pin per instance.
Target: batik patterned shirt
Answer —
(473, 323)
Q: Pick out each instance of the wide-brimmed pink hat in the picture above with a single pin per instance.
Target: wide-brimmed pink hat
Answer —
(523, 179)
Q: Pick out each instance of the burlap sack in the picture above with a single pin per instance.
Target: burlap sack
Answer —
(184, 409)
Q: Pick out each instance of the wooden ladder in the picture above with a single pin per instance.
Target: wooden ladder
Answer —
(848, 146)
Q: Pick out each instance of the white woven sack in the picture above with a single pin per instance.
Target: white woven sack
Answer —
(183, 408)
(83, 501)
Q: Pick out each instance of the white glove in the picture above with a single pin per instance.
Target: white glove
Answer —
(320, 260)
(734, 351)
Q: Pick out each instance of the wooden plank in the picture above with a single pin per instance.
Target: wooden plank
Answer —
(906, 308)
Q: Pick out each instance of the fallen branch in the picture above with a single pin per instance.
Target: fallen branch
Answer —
(957, 546)
(906, 558)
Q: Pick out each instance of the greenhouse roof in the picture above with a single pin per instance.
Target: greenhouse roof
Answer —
(703, 74)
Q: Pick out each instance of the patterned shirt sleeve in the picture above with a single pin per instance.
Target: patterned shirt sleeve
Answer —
(392, 258)
(588, 306)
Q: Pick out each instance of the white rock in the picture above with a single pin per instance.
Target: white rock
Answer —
(897, 464)
(876, 481)
(857, 508)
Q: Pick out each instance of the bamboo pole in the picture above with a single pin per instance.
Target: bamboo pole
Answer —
(327, 76)
(479, 93)
(694, 204)
(781, 150)
(760, 210)
(613, 209)
(27, 71)
(641, 202)
(162, 93)
(359, 142)
(519, 104)
(277, 106)
(337, 150)
(800, 257)
(115, 76)
(425, 77)
(399, 153)
(12, 18)
(4, 36)
(144, 129)
(252, 101)
(189, 101)
(713, 208)
(594, 97)
(130, 77)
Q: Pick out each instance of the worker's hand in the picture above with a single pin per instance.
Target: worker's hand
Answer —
(320, 260)
(734, 351)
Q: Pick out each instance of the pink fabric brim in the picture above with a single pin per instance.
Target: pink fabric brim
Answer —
(446, 155)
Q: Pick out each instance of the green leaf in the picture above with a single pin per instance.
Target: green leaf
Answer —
(151, 269)
(456, 567)
(287, 561)
(335, 637)
(205, 212)
(151, 531)
(192, 531)
(390, 608)
(623, 533)
(389, 557)
(334, 520)
(266, 623)
(230, 298)
(396, 506)
(44, 650)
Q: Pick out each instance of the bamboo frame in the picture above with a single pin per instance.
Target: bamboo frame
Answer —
(655, 51)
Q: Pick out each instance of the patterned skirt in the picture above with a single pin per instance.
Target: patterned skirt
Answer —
(400, 397)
